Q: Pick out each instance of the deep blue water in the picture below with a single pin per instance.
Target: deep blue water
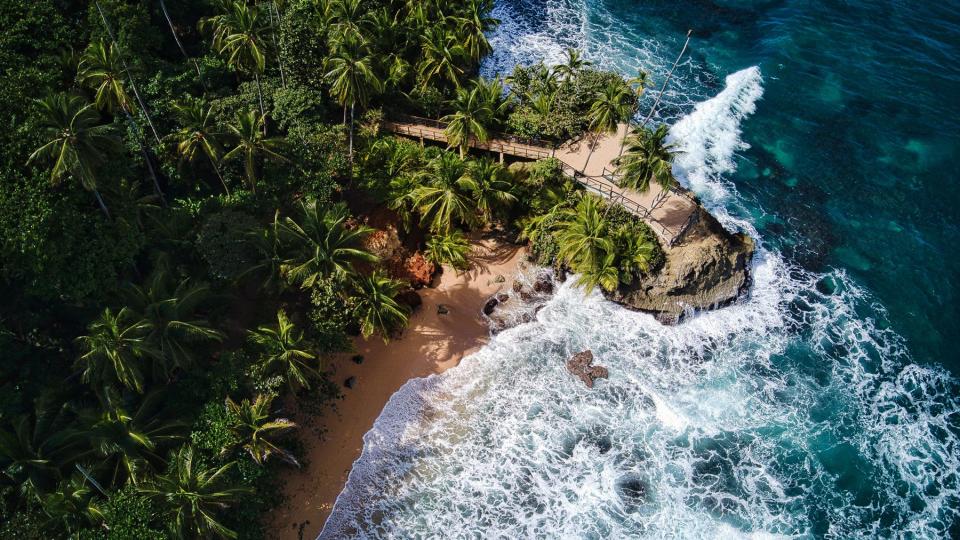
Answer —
(825, 404)
(854, 147)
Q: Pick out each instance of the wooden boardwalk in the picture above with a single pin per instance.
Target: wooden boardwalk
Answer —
(669, 213)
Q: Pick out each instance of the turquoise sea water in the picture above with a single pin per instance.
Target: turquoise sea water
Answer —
(826, 404)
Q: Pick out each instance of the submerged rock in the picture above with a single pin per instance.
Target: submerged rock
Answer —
(708, 269)
(350, 382)
(581, 365)
(543, 284)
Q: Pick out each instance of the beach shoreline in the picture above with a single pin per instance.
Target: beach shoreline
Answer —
(432, 343)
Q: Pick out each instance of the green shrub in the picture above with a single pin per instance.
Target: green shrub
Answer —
(130, 515)
(213, 432)
(224, 243)
(332, 318)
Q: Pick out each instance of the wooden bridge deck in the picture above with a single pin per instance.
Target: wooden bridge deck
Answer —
(668, 213)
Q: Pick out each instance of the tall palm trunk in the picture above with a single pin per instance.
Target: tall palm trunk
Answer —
(351, 133)
(271, 9)
(593, 146)
(667, 80)
(146, 154)
(103, 205)
(216, 169)
(196, 65)
(263, 112)
(133, 85)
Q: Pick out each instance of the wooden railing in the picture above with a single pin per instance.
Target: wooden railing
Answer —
(605, 186)
(513, 145)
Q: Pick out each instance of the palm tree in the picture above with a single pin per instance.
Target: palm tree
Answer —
(170, 316)
(72, 506)
(108, 60)
(443, 198)
(286, 350)
(606, 275)
(319, 244)
(191, 494)
(115, 350)
(352, 79)
(490, 184)
(441, 57)
(237, 35)
(130, 443)
(584, 240)
(491, 93)
(377, 307)
(345, 18)
(638, 84)
(35, 448)
(198, 136)
(101, 69)
(76, 142)
(648, 158)
(473, 27)
(468, 121)
(448, 248)
(248, 132)
(612, 105)
(635, 253)
(267, 267)
(386, 33)
(573, 65)
(255, 429)
(400, 197)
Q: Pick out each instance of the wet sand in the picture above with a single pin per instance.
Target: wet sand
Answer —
(432, 343)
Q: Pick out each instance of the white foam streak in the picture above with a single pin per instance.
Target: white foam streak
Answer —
(710, 136)
(738, 423)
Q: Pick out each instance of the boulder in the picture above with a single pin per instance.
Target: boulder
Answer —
(350, 382)
(502, 297)
(442, 309)
(490, 306)
(709, 269)
(543, 284)
(517, 285)
(419, 270)
(581, 365)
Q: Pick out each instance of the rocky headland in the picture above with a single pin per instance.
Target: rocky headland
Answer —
(709, 268)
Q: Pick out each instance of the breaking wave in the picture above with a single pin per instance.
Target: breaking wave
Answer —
(796, 411)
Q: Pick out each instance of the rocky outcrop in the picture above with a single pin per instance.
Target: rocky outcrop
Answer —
(399, 261)
(418, 270)
(581, 365)
(519, 304)
(708, 269)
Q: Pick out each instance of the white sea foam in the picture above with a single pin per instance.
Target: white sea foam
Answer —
(793, 412)
(709, 137)
(533, 31)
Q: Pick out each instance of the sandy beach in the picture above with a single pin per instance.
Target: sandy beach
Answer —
(432, 343)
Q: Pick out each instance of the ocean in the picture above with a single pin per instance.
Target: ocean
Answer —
(824, 404)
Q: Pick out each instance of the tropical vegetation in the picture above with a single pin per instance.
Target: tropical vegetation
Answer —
(191, 197)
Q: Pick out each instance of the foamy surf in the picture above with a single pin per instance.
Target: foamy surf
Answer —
(741, 422)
